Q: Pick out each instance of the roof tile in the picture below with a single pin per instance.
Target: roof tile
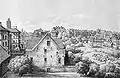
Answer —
(3, 54)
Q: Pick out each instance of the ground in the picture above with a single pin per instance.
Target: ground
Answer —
(47, 75)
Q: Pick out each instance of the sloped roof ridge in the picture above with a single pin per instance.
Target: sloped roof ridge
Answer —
(3, 28)
(4, 54)
(3, 48)
(39, 42)
(13, 30)
(42, 40)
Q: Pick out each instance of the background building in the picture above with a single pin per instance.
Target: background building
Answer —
(14, 37)
(4, 37)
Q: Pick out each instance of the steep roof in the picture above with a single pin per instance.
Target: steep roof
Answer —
(57, 41)
(3, 54)
(14, 30)
(32, 42)
(3, 28)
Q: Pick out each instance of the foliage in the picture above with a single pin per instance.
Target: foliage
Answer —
(19, 63)
(90, 67)
(82, 67)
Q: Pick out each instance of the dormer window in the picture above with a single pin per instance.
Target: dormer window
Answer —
(48, 43)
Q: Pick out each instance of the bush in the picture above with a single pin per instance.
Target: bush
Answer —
(110, 75)
(18, 62)
(82, 68)
(93, 69)
(24, 69)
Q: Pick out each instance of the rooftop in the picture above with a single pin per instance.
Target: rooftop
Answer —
(34, 41)
(14, 30)
(3, 28)
(3, 54)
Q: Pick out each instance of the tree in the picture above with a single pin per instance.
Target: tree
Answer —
(20, 64)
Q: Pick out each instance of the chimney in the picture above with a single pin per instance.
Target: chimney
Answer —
(8, 22)
(15, 27)
(54, 34)
(0, 23)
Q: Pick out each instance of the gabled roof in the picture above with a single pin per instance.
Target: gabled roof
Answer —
(57, 41)
(32, 42)
(3, 54)
(14, 30)
(3, 28)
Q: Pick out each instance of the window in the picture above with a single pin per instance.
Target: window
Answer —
(48, 43)
(5, 37)
(56, 53)
(59, 60)
(5, 43)
(13, 41)
(45, 59)
(16, 41)
(45, 50)
(13, 46)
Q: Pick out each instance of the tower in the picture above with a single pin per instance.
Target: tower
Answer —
(8, 22)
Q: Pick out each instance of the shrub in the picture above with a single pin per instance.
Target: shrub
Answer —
(24, 69)
(93, 69)
(82, 68)
(16, 63)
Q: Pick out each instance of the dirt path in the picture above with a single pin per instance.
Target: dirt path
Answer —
(48, 75)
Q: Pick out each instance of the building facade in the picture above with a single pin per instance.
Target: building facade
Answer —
(48, 51)
(4, 37)
(14, 36)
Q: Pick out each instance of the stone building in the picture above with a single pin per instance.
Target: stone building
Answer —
(4, 37)
(48, 51)
(14, 36)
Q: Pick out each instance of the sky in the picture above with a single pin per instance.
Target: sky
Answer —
(82, 14)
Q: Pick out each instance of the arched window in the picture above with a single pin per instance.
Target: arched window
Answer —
(5, 43)
(5, 37)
